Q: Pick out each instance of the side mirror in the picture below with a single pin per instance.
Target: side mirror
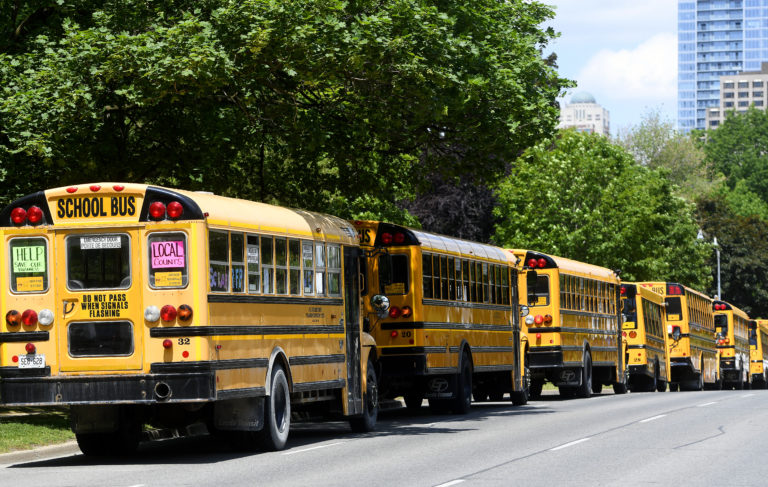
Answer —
(380, 304)
(524, 310)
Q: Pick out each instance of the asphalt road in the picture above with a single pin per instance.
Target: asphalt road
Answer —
(683, 438)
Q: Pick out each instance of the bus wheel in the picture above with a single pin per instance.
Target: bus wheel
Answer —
(463, 400)
(536, 387)
(520, 398)
(367, 421)
(277, 413)
(661, 385)
(413, 400)
(674, 387)
(585, 389)
(619, 388)
(124, 441)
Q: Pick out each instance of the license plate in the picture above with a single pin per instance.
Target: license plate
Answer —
(32, 361)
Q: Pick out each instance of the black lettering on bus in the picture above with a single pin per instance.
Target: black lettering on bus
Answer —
(131, 205)
(77, 208)
(60, 213)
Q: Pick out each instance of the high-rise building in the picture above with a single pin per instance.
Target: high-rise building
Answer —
(585, 115)
(738, 92)
(715, 38)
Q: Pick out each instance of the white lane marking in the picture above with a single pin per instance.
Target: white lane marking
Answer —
(313, 448)
(452, 482)
(652, 418)
(569, 444)
(706, 404)
(747, 395)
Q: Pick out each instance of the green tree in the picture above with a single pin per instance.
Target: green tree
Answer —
(582, 197)
(330, 105)
(743, 245)
(656, 144)
(739, 150)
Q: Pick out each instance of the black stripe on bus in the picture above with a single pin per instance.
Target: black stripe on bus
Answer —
(318, 359)
(493, 368)
(240, 393)
(586, 313)
(411, 350)
(466, 304)
(24, 336)
(485, 349)
(208, 365)
(245, 298)
(11, 372)
(593, 348)
(566, 329)
(245, 330)
(435, 325)
(314, 386)
(644, 347)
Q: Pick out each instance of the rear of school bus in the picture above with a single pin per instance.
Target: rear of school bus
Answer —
(112, 309)
(758, 352)
(731, 333)
(694, 359)
(645, 339)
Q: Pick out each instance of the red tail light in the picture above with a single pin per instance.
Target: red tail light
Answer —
(624, 333)
(95, 187)
(168, 313)
(71, 190)
(632, 334)
(157, 210)
(406, 312)
(538, 319)
(393, 333)
(18, 216)
(386, 238)
(34, 215)
(623, 290)
(547, 319)
(118, 187)
(30, 348)
(399, 237)
(13, 318)
(29, 317)
(175, 210)
(542, 262)
(532, 263)
(167, 343)
(394, 312)
(185, 312)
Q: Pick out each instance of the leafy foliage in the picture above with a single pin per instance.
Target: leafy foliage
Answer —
(584, 198)
(329, 105)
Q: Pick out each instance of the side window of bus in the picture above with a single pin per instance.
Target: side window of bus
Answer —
(294, 267)
(752, 337)
(426, 271)
(320, 268)
(167, 260)
(308, 258)
(254, 270)
(218, 255)
(100, 261)
(393, 274)
(334, 270)
(267, 265)
(29, 265)
(237, 246)
(281, 263)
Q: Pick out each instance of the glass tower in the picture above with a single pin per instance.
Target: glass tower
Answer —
(715, 38)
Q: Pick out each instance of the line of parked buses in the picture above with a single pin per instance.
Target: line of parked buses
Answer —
(145, 307)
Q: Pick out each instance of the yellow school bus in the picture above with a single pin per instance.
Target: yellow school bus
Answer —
(573, 333)
(645, 339)
(444, 317)
(690, 325)
(140, 305)
(732, 341)
(758, 352)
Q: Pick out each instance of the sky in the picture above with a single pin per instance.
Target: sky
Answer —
(623, 52)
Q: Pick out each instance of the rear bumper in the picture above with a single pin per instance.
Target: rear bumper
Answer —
(107, 389)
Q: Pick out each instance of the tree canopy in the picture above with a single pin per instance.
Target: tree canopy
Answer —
(331, 105)
(582, 197)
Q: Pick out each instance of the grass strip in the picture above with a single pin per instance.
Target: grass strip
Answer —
(24, 429)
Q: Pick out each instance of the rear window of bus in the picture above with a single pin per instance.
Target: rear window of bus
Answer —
(168, 267)
(101, 261)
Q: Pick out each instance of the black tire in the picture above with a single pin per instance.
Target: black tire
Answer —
(597, 387)
(413, 400)
(674, 387)
(584, 391)
(567, 392)
(535, 389)
(520, 398)
(462, 402)
(277, 413)
(619, 388)
(124, 441)
(366, 422)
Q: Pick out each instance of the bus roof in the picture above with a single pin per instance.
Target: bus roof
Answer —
(64, 206)
(569, 265)
(663, 285)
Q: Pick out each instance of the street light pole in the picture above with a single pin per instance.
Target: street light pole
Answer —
(717, 250)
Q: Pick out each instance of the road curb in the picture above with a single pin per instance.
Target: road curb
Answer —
(40, 453)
